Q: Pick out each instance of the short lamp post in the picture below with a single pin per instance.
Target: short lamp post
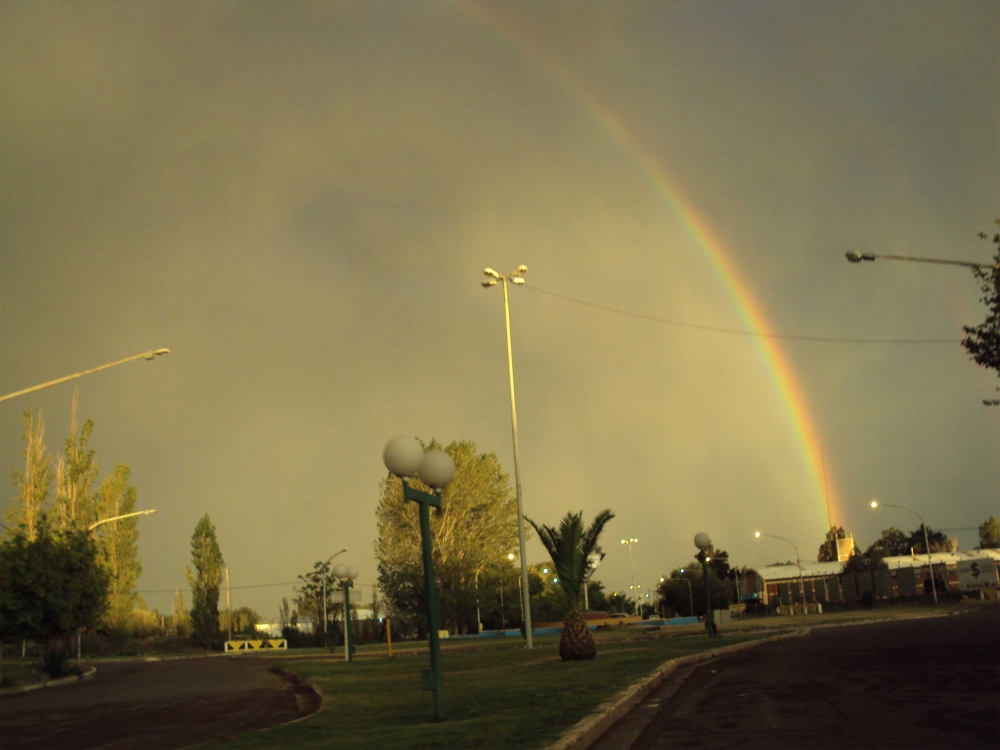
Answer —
(405, 457)
(702, 542)
(927, 545)
(346, 575)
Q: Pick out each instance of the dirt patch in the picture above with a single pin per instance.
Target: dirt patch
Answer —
(161, 705)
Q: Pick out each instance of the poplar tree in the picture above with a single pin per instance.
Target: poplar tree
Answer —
(118, 541)
(76, 472)
(206, 557)
(33, 483)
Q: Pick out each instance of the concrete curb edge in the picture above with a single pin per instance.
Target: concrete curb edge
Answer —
(589, 729)
(59, 682)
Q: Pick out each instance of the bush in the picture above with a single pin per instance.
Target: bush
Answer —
(54, 661)
(868, 600)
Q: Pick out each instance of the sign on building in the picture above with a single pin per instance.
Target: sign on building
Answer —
(977, 574)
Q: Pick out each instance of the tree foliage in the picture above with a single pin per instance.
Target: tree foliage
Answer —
(472, 535)
(569, 546)
(983, 341)
(989, 534)
(50, 585)
(118, 542)
(206, 557)
(76, 472)
(309, 595)
(33, 483)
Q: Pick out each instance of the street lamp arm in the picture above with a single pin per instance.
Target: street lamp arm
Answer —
(118, 518)
(152, 354)
(855, 257)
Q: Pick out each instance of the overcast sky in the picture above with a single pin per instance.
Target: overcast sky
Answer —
(298, 199)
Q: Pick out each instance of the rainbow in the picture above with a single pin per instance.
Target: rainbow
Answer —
(698, 228)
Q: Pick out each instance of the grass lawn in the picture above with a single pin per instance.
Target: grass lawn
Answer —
(495, 697)
(17, 671)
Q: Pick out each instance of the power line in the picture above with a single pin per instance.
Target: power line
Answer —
(735, 331)
(231, 588)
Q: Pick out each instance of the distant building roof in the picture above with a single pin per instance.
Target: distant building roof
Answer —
(814, 569)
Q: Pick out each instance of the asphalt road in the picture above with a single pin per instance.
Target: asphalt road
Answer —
(914, 684)
(154, 704)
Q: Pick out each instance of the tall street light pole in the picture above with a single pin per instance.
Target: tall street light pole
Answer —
(324, 587)
(855, 257)
(798, 562)
(152, 354)
(630, 541)
(927, 545)
(690, 590)
(516, 277)
(704, 543)
(991, 402)
(118, 518)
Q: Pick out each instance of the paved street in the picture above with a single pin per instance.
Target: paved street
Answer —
(161, 704)
(929, 683)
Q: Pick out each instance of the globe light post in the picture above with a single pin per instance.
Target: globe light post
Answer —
(702, 542)
(152, 354)
(630, 541)
(927, 544)
(690, 595)
(324, 588)
(516, 277)
(405, 457)
(798, 561)
(346, 575)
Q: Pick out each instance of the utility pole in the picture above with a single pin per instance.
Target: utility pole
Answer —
(229, 609)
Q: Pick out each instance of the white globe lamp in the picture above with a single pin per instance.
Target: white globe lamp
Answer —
(340, 570)
(353, 573)
(403, 455)
(437, 469)
(701, 540)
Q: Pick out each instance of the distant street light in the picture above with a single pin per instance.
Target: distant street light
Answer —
(118, 518)
(515, 277)
(798, 562)
(703, 543)
(152, 354)
(855, 257)
(405, 457)
(324, 588)
(930, 565)
(630, 541)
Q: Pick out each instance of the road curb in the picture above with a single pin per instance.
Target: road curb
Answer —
(59, 682)
(589, 729)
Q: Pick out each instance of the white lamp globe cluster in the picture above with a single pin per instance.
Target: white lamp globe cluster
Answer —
(343, 571)
(405, 457)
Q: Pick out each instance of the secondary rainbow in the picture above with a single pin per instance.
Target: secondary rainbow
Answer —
(697, 226)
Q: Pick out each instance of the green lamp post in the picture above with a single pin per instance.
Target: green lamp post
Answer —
(405, 457)
(347, 576)
(702, 542)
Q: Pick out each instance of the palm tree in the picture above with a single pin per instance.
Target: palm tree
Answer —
(569, 547)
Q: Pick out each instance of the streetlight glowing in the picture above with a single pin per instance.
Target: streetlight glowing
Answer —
(545, 571)
(510, 556)
(874, 503)
(757, 534)
(555, 580)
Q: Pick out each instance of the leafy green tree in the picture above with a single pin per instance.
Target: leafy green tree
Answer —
(118, 542)
(569, 547)
(596, 597)
(309, 595)
(206, 557)
(869, 561)
(674, 593)
(33, 483)
(983, 341)
(892, 543)
(828, 549)
(619, 603)
(181, 616)
(938, 540)
(50, 586)
(989, 534)
(472, 535)
(76, 472)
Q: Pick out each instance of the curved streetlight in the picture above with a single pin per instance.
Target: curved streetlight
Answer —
(856, 257)
(151, 354)
(346, 575)
(798, 561)
(118, 518)
(690, 590)
(630, 541)
(927, 545)
(405, 457)
(515, 277)
(324, 589)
